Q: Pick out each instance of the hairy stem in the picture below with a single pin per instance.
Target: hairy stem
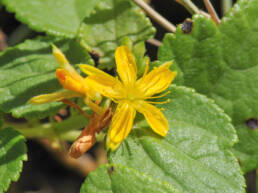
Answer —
(156, 16)
(54, 129)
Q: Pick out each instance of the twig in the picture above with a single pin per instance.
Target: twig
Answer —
(192, 8)
(3, 44)
(226, 5)
(156, 16)
(154, 42)
(212, 11)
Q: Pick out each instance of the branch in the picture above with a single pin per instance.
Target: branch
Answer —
(3, 44)
(212, 11)
(156, 16)
(154, 42)
(192, 8)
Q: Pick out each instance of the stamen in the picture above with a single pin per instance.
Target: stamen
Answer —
(159, 96)
(146, 67)
(159, 102)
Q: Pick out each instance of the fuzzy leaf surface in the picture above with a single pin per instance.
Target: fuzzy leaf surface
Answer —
(59, 17)
(12, 154)
(28, 70)
(222, 63)
(104, 30)
(118, 178)
(195, 155)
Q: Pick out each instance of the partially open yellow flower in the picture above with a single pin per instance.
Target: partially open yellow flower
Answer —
(72, 81)
(131, 94)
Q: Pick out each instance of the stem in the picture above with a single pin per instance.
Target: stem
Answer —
(3, 44)
(44, 130)
(192, 8)
(62, 129)
(226, 5)
(70, 135)
(156, 16)
(154, 42)
(212, 11)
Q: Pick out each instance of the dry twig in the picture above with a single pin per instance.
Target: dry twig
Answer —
(192, 8)
(156, 16)
(154, 42)
(212, 11)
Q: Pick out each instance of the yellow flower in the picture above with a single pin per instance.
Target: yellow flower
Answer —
(72, 81)
(131, 94)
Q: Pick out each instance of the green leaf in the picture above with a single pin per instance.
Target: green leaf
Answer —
(195, 155)
(12, 154)
(118, 178)
(1, 119)
(104, 30)
(59, 17)
(222, 62)
(28, 70)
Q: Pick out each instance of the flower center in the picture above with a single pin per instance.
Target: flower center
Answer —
(132, 93)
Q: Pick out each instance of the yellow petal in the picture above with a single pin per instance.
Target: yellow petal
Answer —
(91, 70)
(64, 63)
(126, 66)
(70, 82)
(112, 84)
(154, 116)
(121, 125)
(105, 85)
(47, 98)
(60, 57)
(157, 80)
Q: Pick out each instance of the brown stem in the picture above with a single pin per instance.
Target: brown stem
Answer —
(87, 138)
(3, 44)
(212, 11)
